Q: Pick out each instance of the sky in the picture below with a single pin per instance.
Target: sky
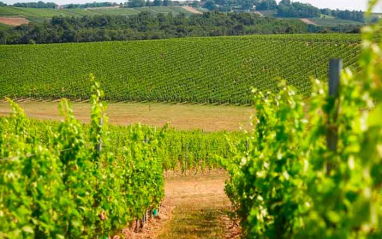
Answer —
(333, 4)
(340, 4)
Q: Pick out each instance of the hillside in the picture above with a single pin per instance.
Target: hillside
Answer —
(38, 15)
(327, 21)
(200, 70)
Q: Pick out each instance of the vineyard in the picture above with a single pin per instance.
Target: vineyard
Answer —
(180, 150)
(97, 178)
(39, 15)
(214, 70)
(307, 169)
(313, 170)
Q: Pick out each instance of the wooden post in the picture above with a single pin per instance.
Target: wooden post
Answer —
(335, 68)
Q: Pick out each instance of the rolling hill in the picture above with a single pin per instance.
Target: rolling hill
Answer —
(198, 70)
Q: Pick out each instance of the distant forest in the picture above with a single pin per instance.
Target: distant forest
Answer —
(149, 26)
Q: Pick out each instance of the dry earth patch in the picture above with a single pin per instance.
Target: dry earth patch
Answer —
(13, 21)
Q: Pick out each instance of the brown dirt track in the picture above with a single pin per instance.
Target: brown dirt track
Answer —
(309, 22)
(195, 206)
(13, 21)
(192, 10)
(180, 116)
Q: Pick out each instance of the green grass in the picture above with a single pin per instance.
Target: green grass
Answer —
(111, 11)
(32, 12)
(3, 26)
(200, 9)
(199, 70)
(269, 13)
(195, 224)
(334, 22)
(39, 15)
(173, 10)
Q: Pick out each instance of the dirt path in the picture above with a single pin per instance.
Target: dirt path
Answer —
(199, 207)
(308, 21)
(13, 21)
(180, 116)
(192, 10)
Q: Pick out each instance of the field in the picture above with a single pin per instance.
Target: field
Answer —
(258, 136)
(334, 22)
(179, 116)
(196, 201)
(4, 26)
(214, 70)
(324, 20)
(309, 22)
(13, 21)
(39, 15)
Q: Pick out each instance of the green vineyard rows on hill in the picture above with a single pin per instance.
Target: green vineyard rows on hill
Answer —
(40, 14)
(198, 70)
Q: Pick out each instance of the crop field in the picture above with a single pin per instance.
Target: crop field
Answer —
(196, 70)
(334, 22)
(39, 15)
(3, 26)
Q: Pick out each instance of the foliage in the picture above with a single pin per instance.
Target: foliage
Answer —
(136, 3)
(38, 4)
(150, 23)
(57, 182)
(267, 5)
(41, 15)
(289, 183)
(297, 9)
(358, 16)
(91, 5)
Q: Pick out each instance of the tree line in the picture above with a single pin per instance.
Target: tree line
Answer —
(38, 4)
(149, 26)
(286, 8)
(41, 4)
(358, 16)
(92, 4)
(147, 3)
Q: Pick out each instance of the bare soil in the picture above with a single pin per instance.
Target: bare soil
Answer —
(307, 21)
(13, 21)
(180, 116)
(195, 206)
(199, 207)
(192, 10)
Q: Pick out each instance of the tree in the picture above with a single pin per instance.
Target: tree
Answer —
(285, 3)
(349, 15)
(195, 4)
(210, 5)
(157, 3)
(2, 4)
(136, 3)
(166, 2)
(326, 11)
(297, 9)
(267, 5)
(246, 4)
